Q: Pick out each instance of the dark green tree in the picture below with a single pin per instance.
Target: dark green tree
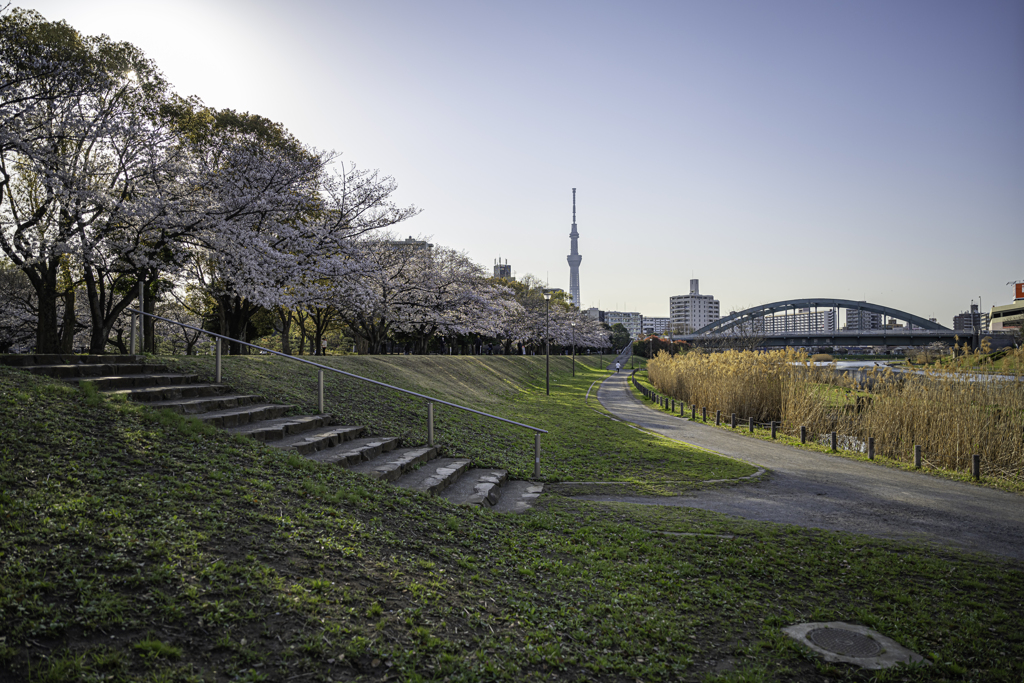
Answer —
(620, 336)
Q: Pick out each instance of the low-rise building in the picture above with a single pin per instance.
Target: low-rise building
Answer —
(859, 319)
(973, 321)
(503, 270)
(657, 326)
(803, 320)
(1010, 316)
(631, 321)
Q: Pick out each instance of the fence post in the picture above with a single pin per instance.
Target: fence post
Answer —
(750, 424)
(733, 421)
(718, 417)
(430, 423)
(871, 448)
(833, 435)
(917, 457)
(774, 427)
(693, 411)
(803, 434)
(673, 406)
(131, 336)
(319, 391)
(536, 455)
(218, 366)
(976, 466)
(704, 413)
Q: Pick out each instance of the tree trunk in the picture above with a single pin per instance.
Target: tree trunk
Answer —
(149, 324)
(235, 313)
(47, 337)
(67, 333)
(119, 343)
(286, 329)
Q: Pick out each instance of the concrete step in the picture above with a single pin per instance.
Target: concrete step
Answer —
(518, 496)
(394, 464)
(29, 359)
(435, 476)
(205, 404)
(322, 439)
(306, 434)
(481, 487)
(279, 428)
(356, 453)
(161, 379)
(88, 370)
(148, 394)
(232, 417)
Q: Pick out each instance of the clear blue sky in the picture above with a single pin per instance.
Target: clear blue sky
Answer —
(773, 150)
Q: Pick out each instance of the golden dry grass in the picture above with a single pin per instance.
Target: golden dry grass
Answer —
(951, 415)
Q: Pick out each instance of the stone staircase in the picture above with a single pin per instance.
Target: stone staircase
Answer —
(419, 468)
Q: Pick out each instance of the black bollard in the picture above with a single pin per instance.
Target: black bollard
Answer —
(833, 442)
(917, 457)
(750, 424)
(734, 421)
(976, 466)
(803, 434)
(774, 427)
(871, 448)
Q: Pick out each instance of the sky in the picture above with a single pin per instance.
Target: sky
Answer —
(868, 150)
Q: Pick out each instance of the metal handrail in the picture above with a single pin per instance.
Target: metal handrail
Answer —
(320, 404)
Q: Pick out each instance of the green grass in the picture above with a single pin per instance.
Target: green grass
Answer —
(582, 443)
(136, 547)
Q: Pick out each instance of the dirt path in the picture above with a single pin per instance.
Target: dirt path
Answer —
(817, 490)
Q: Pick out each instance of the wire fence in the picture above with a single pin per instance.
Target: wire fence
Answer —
(835, 440)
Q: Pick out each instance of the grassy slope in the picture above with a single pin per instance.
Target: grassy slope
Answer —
(140, 546)
(582, 444)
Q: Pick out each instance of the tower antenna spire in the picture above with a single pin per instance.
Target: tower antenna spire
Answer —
(574, 258)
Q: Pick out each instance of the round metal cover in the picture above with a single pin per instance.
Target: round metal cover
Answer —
(843, 642)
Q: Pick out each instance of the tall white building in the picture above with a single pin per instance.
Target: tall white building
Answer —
(804, 320)
(689, 312)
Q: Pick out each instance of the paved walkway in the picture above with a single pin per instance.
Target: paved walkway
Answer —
(829, 492)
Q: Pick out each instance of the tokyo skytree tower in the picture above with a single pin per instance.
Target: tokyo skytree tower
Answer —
(574, 258)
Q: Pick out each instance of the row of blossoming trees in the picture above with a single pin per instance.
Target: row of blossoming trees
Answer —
(109, 179)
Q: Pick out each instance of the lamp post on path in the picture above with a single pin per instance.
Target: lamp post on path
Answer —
(547, 341)
(573, 348)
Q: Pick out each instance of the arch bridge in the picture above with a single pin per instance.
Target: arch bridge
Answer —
(919, 331)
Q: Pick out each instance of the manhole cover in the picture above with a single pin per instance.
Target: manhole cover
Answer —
(843, 642)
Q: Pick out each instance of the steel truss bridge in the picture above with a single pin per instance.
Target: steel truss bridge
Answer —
(749, 324)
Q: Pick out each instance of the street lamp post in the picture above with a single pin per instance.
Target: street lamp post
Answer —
(547, 341)
(573, 348)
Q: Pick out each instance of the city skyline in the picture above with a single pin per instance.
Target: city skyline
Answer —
(865, 151)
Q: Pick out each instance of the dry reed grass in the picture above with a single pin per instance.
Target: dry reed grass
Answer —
(950, 415)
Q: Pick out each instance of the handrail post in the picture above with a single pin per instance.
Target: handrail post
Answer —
(430, 424)
(320, 391)
(142, 309)
(218, 373)
(536, 455)
(131, 336)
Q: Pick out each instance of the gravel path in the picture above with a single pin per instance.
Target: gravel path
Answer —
(829, 492)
